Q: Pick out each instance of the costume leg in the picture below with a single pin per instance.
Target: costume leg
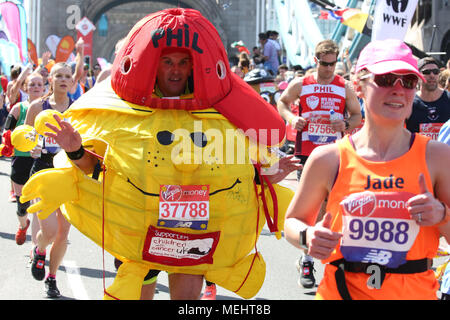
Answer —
(128, 282)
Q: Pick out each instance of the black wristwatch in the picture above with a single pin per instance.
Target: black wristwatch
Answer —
(76, 155)
(347, 125)
(302, 239)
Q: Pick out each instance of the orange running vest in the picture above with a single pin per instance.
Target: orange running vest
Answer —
(316, 101)
(368, 204)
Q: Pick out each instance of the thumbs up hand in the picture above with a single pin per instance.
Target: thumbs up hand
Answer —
(321, 240)
(424, 207)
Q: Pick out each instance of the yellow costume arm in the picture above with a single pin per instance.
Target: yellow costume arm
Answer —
(54, 187)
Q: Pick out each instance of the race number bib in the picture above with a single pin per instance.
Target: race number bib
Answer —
(184, 206)
(50, 142)
(430, 129)
(50, 145)
(377, 228)
(320, 130)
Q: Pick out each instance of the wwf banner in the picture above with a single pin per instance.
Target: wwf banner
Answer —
(392, 18)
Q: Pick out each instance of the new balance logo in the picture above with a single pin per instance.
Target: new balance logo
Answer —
(182, 224)
(381, 257)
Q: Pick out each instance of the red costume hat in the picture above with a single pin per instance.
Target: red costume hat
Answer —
(134, 72)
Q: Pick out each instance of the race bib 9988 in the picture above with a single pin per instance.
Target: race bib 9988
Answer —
(377, 228)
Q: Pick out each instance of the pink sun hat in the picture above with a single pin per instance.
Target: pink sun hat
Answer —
(385, 56)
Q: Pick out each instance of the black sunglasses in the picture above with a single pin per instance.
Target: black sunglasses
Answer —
(326, 64)
(429, 71)
(408, 81)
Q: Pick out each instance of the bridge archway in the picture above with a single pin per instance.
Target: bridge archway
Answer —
(93, 10)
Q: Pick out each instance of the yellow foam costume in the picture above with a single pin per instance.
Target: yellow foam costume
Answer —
(136, 167)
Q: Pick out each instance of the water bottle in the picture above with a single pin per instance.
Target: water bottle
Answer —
(278, 152)
(334, 115)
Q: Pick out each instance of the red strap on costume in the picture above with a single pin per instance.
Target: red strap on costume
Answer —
(272, 224)
(6, 148)
(103, 222)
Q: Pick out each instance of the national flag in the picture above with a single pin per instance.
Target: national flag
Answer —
(323, 15)
(330, 15)
(240, 46)
(351, 17)
(355, 18)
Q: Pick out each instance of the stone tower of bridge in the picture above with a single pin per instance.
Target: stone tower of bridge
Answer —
(234, 20)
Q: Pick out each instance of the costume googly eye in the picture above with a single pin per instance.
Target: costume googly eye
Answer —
(199, 139)
(125, 65)
(221, 70)
(165, 137)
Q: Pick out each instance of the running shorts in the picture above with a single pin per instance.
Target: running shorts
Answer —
(20, 169)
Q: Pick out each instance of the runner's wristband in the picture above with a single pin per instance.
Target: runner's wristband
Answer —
(76, 155)
(446, 217)
(291, 120)
(347, 124)
(302, 239)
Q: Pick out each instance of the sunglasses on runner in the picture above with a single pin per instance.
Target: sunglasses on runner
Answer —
(408, 81)
(326, 64)
(429, 71)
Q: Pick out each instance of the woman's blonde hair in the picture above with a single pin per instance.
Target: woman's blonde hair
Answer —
(443, 76)
(52, 72)
(32, 75)
(361, 73)
(59, 65)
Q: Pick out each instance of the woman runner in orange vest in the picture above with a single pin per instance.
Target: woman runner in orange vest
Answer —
(388, 192)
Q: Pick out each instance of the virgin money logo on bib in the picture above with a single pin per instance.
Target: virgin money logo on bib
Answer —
(312, 102)
(171, 192)
(360, 204)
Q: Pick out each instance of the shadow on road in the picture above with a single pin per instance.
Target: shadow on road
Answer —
(92, 273)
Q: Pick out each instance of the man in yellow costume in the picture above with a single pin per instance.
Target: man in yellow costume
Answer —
(174, 131)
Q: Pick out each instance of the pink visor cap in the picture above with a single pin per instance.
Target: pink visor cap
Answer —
(385, 56)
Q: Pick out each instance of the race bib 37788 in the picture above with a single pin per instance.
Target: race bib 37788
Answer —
(184, 206)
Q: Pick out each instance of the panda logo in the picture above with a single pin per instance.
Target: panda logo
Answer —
(398, 5)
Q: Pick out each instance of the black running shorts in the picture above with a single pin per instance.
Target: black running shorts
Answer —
(20, 169)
